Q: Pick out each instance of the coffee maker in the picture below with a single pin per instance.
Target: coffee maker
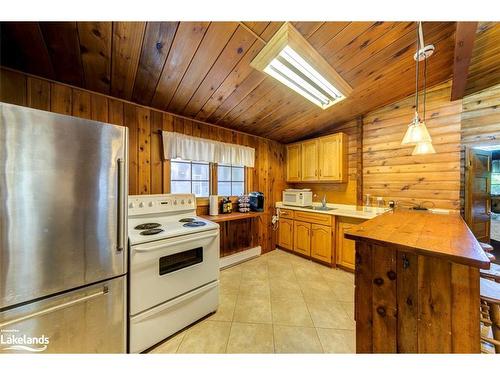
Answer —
(256, 201)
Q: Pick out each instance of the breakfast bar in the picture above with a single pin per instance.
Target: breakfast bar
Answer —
(417, 284)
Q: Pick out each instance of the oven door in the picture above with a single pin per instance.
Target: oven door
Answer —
(162, 270)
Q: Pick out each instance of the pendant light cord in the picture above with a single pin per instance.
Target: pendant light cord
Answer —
(425, 84)
(416, 74)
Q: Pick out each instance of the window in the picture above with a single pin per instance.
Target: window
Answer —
(230, 180)
(495, 183)
(189, 177)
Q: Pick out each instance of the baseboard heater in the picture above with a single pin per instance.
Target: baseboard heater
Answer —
(242, 256)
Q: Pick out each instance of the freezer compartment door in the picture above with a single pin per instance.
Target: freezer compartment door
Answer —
(62, 194)
(88, 320)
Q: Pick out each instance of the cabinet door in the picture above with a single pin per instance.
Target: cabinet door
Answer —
(286, 234)
(330, 158)
(293, 162)
(302, 237)
(321, 242)
(345, 247)
(310, 160)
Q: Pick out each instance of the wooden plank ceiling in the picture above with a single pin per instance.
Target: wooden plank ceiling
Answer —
(202, 69)
(484, 68)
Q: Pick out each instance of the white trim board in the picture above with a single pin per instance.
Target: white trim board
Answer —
(242, 256)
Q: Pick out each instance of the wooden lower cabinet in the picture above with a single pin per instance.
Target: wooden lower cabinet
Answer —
(318, 236)
(302, 238)
(321, 242)
(285, 235)
(346, 248)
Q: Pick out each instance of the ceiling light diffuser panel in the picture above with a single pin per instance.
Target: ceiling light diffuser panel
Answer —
(290, 59)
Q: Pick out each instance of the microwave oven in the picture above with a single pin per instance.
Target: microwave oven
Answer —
(297, 198)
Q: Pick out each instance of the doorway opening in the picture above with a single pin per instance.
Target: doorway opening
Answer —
(482, 194)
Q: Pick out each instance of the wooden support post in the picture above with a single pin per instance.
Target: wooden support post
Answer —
(359, 161)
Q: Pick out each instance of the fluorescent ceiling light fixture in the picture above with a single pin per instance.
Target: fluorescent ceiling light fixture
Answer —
(312, 77)
(423, 148)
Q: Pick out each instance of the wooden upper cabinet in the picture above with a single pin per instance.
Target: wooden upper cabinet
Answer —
(293, 162)
(332, 154)
(310, 160)
(302, 237)
(322, 159)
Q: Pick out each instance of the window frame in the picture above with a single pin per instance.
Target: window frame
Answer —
(212, 182)
(191, 162)
(494, 174)
(244, 181)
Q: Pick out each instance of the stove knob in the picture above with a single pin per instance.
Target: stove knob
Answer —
(131, 205)
(182, 201)
(189, 201)
(141, 204)
(151, 204)
(175, 202)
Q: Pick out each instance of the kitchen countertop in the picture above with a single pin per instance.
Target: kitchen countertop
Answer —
(360, 212)
(232, 216)
(440, 235)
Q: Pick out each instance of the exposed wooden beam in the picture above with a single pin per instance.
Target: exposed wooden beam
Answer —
(465, 35)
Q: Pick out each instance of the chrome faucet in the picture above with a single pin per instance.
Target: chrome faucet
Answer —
(323, 201)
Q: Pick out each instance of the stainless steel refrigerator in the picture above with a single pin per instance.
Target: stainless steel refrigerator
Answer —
(63, 233)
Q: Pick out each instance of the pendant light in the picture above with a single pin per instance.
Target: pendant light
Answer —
(424, 147)
(417, 133)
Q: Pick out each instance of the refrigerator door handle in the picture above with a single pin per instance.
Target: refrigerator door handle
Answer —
(121, 204)
(55, 308)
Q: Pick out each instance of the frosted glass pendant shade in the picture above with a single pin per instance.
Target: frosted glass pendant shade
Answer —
(423, 148)
(417, 132)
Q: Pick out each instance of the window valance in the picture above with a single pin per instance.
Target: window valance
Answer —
(177, 145)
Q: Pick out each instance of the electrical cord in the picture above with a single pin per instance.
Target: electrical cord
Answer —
(417, 70)
(276, 220)
(415, 206)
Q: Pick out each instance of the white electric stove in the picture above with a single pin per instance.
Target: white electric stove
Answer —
(173, 267)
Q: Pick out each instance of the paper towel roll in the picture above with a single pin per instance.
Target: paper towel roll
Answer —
(214, 204)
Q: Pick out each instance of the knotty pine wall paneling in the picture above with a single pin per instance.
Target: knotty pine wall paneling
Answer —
(148, 173)
(481, 118)
(392, 172)
(387, 169)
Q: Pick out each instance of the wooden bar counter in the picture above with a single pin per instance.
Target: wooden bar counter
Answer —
(417, 284)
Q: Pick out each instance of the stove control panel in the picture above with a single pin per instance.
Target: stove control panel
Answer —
(158, 203)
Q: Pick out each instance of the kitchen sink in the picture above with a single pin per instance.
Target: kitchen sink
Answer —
(319, 208)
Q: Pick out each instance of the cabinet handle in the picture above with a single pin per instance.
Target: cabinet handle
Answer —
(320, 173)
(315, 172)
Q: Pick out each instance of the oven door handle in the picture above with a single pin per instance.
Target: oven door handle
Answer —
(141, 249)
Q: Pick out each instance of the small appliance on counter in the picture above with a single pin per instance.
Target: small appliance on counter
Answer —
(244, 203)
(214, 205)
(226, 206)
(256, 201)
(297, 197)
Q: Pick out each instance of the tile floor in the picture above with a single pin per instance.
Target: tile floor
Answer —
(277, 303)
